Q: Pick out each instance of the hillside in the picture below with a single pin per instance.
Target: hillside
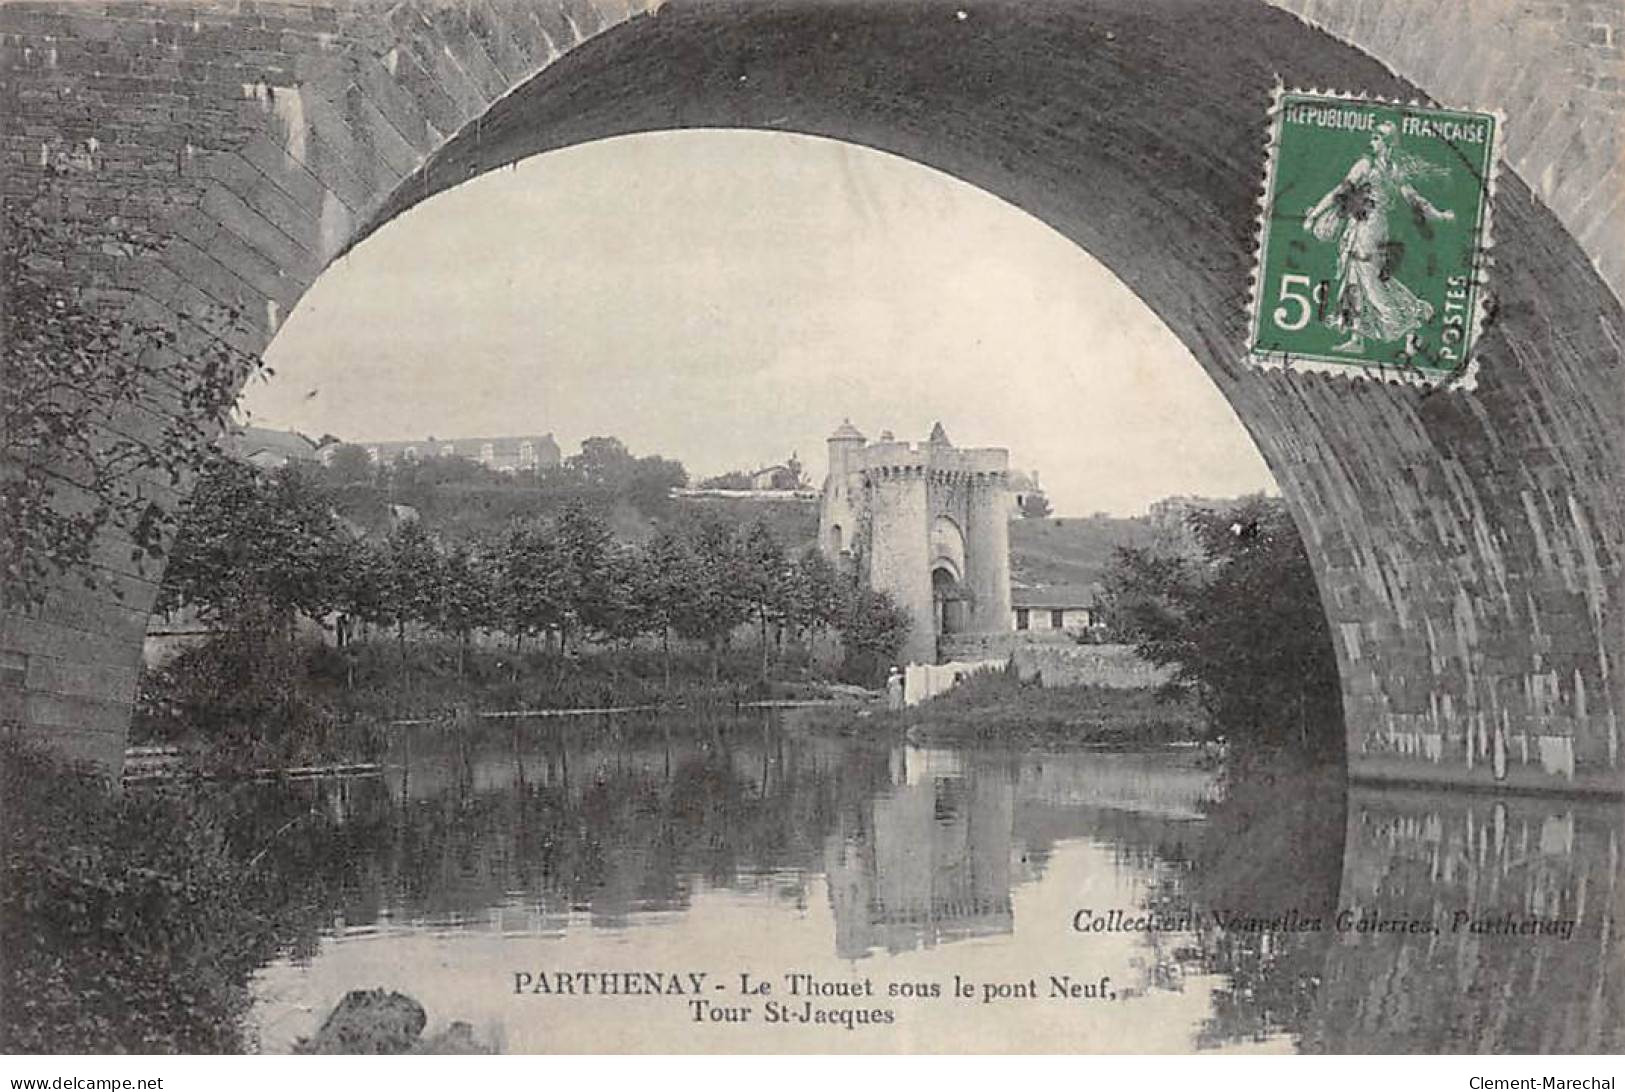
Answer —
(793, 522)
(1074, 550)
(464, 511)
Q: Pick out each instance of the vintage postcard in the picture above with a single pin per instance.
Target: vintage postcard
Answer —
(576, 527)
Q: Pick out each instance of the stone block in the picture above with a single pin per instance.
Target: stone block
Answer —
(284, 252)
(376, 133)
(67, 678)
(291, 176)
(437, 105)
(469, 53)
(47, 638)
(78, 730)
(395, 104)
(514, 54)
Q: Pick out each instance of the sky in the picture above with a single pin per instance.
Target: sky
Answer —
(727, 298)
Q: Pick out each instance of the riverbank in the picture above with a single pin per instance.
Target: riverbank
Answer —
(250, 703)
(995, 707)
(130, 922)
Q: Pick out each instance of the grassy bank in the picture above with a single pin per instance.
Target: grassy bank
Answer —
(997, 708)
(129, 923)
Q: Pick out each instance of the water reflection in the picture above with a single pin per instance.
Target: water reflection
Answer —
(927, 861)
(1527, 896)
(746, 846)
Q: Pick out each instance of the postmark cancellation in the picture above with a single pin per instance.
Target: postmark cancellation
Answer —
(1374, 234)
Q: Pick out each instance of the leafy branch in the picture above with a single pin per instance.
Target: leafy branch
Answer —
(105, 418)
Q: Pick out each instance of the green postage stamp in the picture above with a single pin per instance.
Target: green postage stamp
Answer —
(1373, 238)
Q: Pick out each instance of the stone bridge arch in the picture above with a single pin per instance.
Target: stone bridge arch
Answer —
(1467, 544)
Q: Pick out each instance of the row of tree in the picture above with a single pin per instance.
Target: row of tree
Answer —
(603, 473)
(260, 541)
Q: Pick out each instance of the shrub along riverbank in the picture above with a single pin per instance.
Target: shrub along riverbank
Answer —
(253, 700)
(129, 923)
(996, 707)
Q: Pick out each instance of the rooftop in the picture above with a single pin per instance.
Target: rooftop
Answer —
(251, 442)
(1055, 597)
(846, 432)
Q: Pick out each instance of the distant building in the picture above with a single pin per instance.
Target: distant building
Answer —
(779, 476)
(1059, 609)
(1170, 526)
(267, 448)
(1171, 511)
(785, 477)
(508, 454)
(1023, 484)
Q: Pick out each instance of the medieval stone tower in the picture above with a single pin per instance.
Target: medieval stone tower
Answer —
(928, 523)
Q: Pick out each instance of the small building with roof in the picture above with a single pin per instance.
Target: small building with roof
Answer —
(267, 448)
(1055, 609)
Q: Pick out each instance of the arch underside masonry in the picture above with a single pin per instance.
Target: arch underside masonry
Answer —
(1467, 544)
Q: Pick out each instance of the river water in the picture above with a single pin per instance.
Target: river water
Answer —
(1077, 901)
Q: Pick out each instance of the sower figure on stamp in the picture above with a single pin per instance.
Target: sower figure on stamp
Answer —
(1369, 301)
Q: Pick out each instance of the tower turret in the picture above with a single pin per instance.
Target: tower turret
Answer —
(844, 442)
(838, 516)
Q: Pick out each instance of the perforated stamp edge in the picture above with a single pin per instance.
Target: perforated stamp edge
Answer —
(1465, 377)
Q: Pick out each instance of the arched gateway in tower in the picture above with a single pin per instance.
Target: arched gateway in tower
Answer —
(927, 523)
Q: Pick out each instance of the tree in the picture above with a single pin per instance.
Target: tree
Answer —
(665, 588)
(648, 487)
(465, 598)
(812, 600)
(873, 628)
(733, 479)
(413, 589)
(526, 568)
(1243, 626)
(625, 613)
(604, 460)
(714, 604)
(582, 546)
(252, 539)
(350, 465)
(257, 549)
(764, 580)
(1144, 598)
(96, 408)
(364, 594)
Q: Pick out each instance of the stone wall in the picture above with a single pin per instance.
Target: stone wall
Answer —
(921, 682)
(976, 646)
(1116, 667)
